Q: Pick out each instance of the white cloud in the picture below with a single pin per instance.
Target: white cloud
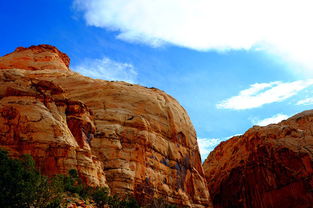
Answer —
(280, 27)
(272, 120)
(264, 93)
(207, 145)
(107, 69)
(306, 101)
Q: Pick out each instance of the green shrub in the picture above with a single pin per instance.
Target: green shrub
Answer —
(128, 202)
(100, 196)
(159, 203)
(72, 184)
(21, 185)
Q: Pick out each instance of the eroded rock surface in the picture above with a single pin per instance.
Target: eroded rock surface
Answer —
(37, 119)
(135, 139)
(267, 167)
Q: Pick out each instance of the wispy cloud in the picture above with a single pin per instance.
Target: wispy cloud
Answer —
(271, 120)
(306, 101)
(107, 69)
(281, 27)
(260, 94)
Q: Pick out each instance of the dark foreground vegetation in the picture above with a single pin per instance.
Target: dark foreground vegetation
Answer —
(21, 185)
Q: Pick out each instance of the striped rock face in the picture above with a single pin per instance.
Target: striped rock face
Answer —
(134, 139)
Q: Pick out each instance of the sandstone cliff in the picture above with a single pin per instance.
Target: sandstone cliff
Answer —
(267, 167)
(134, 139)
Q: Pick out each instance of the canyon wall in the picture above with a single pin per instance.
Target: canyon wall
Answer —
(267, 167)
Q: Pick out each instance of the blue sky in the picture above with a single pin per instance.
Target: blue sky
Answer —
(230, 66)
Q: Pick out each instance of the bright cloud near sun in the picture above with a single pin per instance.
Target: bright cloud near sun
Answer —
(271, 120)
(107, 69)
(280, 27)
(260, 94)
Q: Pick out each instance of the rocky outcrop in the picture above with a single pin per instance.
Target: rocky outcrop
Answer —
(144, 138)
(36, 58)
(37, 119)
(267, 167)
(137, 140)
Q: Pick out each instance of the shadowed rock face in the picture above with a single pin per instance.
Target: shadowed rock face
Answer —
(134, 139)
(266, 167)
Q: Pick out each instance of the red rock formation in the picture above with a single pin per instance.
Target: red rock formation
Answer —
(36, 119)
(142, 138)
(267, 167)
(36, 58)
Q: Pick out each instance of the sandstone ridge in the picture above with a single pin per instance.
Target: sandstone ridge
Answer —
(36, 58)
(267, 167)
(131, 138)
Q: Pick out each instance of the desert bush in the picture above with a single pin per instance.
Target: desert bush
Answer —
(69, 183)
(127, 202)
(100, 196)
(21, 185)
(159, 203)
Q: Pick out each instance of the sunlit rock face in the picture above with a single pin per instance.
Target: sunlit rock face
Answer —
(267, 167)
(136, 140)
(36, 58)
(37, 118)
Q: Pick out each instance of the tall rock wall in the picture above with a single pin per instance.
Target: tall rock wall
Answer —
(267, 167)
(134, 139)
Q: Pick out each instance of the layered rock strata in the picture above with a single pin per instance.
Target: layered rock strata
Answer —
(37, 119)
(136, 140)
(267, 167)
